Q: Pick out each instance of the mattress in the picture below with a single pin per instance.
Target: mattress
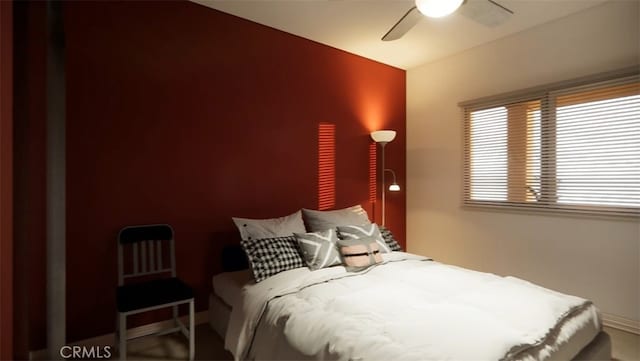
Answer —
(568, 339)
(583, 343)
(228, 285)
(598, 349)
(573, 335)
(219, 313)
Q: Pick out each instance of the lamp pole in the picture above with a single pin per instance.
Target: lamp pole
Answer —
(383, 137)
(382, 144)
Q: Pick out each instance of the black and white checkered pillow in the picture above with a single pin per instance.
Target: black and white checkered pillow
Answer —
(270, 256)
(388, 238)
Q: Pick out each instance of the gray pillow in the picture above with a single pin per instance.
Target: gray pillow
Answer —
(359, 254)
(270, 228)
(319, 248)
(363, 231)
(323, 220)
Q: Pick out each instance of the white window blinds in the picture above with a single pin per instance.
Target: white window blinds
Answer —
(571, 147)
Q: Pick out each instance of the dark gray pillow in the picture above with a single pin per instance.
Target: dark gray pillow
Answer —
(319, 249)
(268, 228)
(270, 256)
(322, 220)
(389, 239)
(362, 231)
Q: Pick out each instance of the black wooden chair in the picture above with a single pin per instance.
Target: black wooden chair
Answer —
(151, 282)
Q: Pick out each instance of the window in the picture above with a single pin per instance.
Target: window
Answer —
(569, 147)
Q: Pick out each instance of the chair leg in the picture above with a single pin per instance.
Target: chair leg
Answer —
(116, 338)
(192, 333)
(122, 339)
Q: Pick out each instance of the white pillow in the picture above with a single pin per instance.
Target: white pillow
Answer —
(270, 228)
(318, 221)
(359, 253)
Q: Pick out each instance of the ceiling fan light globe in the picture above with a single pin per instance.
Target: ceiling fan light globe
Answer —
(437, 8)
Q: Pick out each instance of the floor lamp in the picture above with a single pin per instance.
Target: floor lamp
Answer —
(383, 137)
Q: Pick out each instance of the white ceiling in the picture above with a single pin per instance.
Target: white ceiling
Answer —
(356, 26)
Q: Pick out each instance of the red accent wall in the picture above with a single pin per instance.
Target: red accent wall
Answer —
(6, 180)
(181, 114)
(30, 107)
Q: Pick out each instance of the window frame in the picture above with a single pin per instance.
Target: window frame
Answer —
(547, 96)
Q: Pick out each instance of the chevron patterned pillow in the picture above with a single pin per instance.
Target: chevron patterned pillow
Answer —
(367, 230)
(319, 248)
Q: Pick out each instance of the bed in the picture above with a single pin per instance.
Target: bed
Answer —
(408, 307)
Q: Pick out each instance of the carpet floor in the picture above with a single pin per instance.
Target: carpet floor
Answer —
(209, 346)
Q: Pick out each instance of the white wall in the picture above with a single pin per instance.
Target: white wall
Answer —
(593, 258)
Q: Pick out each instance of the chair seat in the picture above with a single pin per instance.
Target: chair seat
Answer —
(152, 293)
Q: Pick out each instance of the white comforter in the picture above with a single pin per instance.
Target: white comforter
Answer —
(408, 308)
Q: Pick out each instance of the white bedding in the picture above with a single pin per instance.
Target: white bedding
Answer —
(405, 309)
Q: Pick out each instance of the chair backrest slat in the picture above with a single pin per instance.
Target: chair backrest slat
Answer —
(146, 243)
(172, 252)
(152, 258)
(135, 258)
(120, 266)
(143, 258)
(159, 254)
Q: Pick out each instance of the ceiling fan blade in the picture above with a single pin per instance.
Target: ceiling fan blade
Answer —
(403, 25)
(486, 12)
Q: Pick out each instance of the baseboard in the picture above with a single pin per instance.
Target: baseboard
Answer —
(109, 339)
(621, 323)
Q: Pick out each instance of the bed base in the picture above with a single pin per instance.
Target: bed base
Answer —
(219, 313)
(598, 349)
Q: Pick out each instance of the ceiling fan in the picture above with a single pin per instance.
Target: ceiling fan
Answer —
(486, 12)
